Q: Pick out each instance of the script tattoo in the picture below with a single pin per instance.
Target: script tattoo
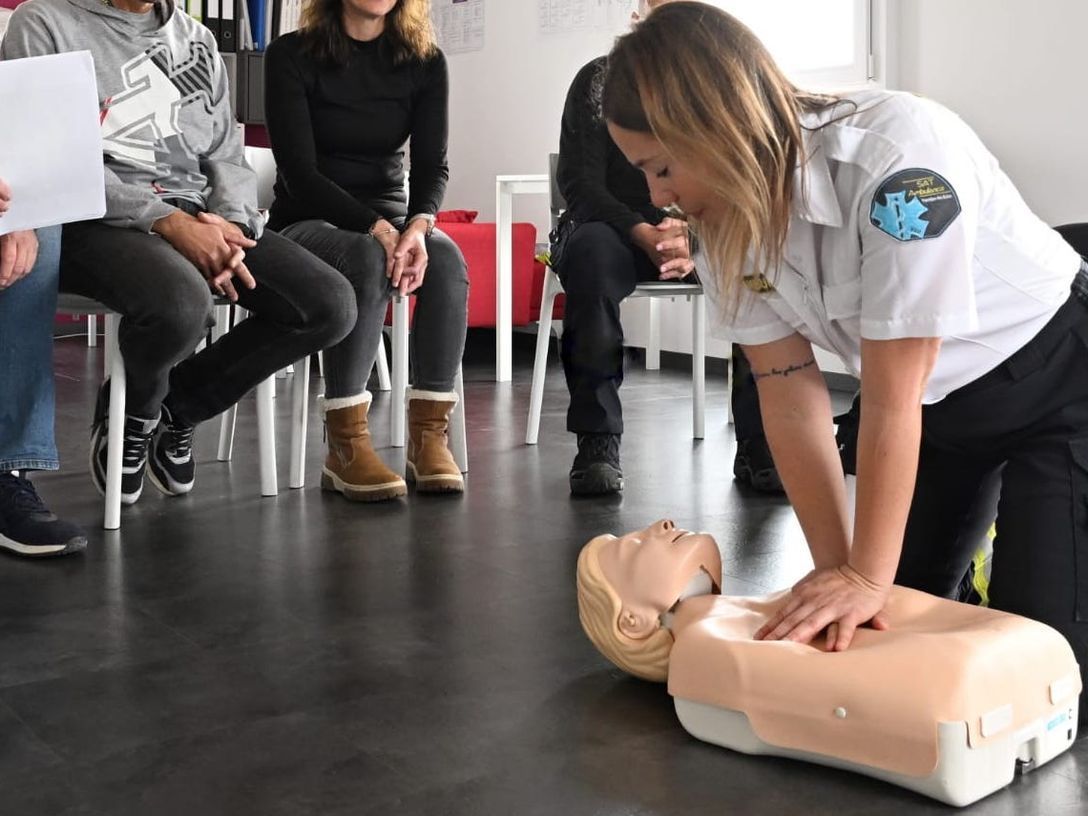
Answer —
(783, 372)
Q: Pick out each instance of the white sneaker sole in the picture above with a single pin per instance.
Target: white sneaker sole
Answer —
(42, 550)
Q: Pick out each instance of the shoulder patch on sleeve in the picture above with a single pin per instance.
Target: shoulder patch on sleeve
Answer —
(914, 204)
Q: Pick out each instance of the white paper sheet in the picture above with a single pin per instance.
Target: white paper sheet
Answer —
(459, 25)
(50, 141)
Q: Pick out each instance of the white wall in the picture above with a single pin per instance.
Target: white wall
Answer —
(506, 102)
(1016, 72)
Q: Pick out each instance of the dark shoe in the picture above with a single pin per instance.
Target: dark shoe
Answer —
(28, 528)
(171, 468)
(137, 436)
(754, 466)
(596, 469)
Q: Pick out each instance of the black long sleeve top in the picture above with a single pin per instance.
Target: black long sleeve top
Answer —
(338, 134)
(598, 183)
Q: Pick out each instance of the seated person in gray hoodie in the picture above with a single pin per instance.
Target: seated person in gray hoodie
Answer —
(181, 225)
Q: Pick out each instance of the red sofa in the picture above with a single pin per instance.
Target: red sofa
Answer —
(477, 243)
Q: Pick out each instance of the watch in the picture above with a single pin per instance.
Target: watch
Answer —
(429, 218)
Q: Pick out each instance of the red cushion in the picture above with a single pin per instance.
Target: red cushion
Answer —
(457, 216)
(477, 244)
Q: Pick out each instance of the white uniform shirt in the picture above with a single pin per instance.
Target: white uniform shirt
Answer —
(904, 226)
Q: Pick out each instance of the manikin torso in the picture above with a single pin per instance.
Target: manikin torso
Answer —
(878, 702)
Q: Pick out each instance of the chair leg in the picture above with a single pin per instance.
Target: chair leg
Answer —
(382, 365)
(300, 399)
(458, 441)
(698, 365)
(400, 368)
(116, 426)
(321, 364)
(223, 323)
(729, 418)
(552, 288)
(653, 342)
(92, 330)
(266, 435)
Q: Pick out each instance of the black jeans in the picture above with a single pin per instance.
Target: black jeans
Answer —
(300, 305)
(598, 269)
(438, 324)
(1028, 416)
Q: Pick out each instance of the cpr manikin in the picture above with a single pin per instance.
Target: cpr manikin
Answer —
(949, 701)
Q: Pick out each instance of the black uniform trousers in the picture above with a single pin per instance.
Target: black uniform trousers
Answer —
(1025, 421)
(598, 269)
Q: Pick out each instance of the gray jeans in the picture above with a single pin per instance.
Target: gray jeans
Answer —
(300, 306)
(441, 314)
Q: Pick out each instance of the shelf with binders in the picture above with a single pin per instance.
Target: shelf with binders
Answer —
(242, 29)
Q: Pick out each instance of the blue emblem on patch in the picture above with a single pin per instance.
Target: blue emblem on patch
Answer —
(914, 204)
(900, 218)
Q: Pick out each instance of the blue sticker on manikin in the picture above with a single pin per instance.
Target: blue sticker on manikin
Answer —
(914, 204)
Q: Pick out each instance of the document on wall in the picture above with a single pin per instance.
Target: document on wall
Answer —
(51, 142)
(562, 16)
(459, 24)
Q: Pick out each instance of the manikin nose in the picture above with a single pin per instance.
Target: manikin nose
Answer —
(666, 525)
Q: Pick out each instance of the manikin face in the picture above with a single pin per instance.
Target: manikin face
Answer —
(670, 181)
(650, 569)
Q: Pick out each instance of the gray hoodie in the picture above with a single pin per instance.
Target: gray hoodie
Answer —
(167, 128)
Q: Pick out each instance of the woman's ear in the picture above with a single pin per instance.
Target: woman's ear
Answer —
(637, 624)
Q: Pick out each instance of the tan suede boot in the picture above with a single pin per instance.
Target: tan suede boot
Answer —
(430, 463)
(352, 467)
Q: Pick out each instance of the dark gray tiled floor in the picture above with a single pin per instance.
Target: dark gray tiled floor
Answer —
(227, 654)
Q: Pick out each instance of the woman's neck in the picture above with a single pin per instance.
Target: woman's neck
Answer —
(362, 27)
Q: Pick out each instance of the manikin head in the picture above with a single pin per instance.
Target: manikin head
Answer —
(627, 584)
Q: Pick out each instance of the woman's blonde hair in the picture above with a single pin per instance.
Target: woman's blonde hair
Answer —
(706, 88)
(599, 610)
(408, 27)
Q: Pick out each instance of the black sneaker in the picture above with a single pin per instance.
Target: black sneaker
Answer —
(172, 468)
(596, 469)
(28, 528)
(137, 436)
(754, 466)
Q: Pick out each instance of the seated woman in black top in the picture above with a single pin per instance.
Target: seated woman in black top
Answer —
(343, 96)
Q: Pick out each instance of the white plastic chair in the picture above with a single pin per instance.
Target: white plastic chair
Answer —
(115, 371)
(692, 292)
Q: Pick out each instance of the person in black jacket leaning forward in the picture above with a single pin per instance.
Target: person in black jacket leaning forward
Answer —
(343, 95)
(611, 238)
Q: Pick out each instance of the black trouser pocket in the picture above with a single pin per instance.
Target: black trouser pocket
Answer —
(1079, 466)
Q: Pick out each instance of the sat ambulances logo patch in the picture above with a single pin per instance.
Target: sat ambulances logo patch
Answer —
(914, 204)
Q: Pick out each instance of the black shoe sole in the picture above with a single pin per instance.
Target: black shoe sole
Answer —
(598, 479)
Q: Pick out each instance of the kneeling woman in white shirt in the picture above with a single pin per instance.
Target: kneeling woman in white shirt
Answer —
(877, 226)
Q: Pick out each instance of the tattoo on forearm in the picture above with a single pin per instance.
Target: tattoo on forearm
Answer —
(783, 372)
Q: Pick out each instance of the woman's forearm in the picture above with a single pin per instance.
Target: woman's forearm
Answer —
(888, 442)
(808, 463)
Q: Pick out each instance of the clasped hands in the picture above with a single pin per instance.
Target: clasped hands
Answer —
(666, 245)
(213, 245)
(18, 250)
(839, 599)
(405, 253)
